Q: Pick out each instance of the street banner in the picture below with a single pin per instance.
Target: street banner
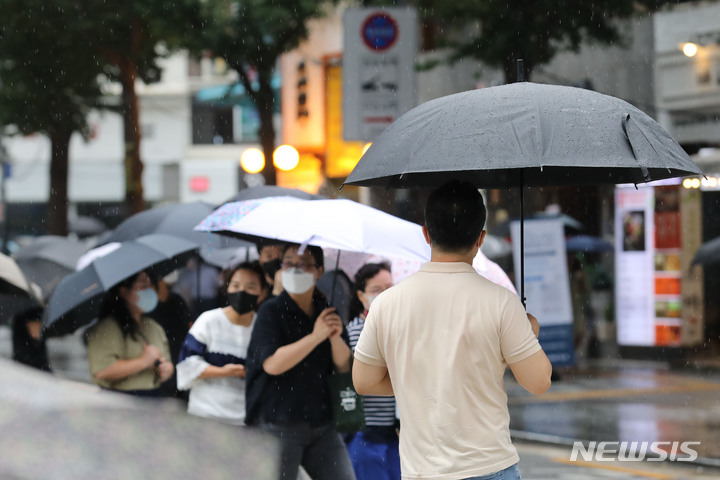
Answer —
(547, 285)
(379, 52)
(634, 266)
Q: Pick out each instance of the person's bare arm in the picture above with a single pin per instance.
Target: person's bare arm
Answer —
(229, 370)
(124, 368)
(287, 356)
(340, 350)
(533, 373)
(371, 380)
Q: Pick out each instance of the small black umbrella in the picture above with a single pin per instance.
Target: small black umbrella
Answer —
(176, 219)
(272, 191)
(84, 226)
(519, 135)
(588, 244)
(59, 429)
(708, 253)
(48, 259)
(76, 300)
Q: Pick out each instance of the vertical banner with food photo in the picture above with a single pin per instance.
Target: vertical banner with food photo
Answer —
(668, 269)
(634, 267)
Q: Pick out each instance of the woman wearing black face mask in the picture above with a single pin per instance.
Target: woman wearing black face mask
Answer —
(212, 358)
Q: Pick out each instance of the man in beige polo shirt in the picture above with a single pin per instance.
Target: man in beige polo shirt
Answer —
(440, 342)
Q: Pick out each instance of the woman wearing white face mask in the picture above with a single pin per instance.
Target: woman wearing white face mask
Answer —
(375, 451)
(296, 344)
(127, 350)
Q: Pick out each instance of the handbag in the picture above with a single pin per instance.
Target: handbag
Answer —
(347, 405)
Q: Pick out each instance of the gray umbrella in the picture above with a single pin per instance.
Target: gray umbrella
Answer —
(48, 259)
(272, 191)
(708, 253)
(176, 219)
(76, 299)
(57, 429)
(519, 135)
(84, 226)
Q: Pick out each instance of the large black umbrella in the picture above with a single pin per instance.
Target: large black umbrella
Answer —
(708, 253)
(176, 219)
(76, 300)
(57, 429)
(48, 259)
(17, 294)
(519, 135)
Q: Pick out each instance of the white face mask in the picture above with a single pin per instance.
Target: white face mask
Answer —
(297, 281)
(147, 300)
(369, 299)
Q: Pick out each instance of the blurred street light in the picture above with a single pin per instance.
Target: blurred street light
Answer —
(286, 158)
(252, 160)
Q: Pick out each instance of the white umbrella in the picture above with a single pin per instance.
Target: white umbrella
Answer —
(340, 224)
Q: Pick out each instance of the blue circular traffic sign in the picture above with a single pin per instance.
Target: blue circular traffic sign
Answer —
(379, 31)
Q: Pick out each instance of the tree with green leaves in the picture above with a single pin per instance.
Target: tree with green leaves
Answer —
(499, 32)
(130, 37)
(250, 35)
(49, 83)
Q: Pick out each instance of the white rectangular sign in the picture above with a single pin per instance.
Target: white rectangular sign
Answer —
(547, 285)
(379, 51)
(634, 266)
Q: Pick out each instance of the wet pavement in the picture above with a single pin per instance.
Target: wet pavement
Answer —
(624, 401)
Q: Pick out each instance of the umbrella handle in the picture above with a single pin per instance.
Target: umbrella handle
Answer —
(335, 275)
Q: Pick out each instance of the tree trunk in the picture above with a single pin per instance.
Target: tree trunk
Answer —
(57, 212)
(265, 102)
(134, 199)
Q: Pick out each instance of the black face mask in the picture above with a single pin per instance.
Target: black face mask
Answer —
(272, 267)
(242, 302)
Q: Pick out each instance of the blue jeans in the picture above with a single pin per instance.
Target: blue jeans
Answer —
(510, 473)
(320, 451)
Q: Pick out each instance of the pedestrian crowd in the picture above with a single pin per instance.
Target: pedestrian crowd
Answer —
(259, 350)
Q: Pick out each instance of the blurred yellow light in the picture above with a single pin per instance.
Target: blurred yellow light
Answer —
(365, 148)
(695, 183)
(687, 183)
(689, 49)
(285, 158)
(252, 160)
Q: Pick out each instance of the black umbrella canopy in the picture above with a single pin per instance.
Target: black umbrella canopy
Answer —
(48, 259)
(708, 253)
(272, 191)
(176, 219)
(522, 134)
(76, 300)
(58, 429)
(84, 226)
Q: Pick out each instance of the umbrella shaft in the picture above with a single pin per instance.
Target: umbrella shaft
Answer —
(522, 240)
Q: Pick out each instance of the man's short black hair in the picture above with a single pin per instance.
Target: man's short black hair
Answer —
(455, 216)
(316, 252)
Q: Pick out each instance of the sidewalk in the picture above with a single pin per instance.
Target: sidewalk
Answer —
(623, 400)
